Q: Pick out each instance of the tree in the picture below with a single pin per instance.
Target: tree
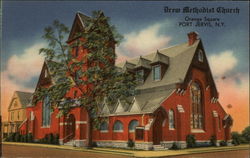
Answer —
(95, 75)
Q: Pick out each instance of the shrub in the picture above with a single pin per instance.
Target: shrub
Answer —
(213, 140)
(23, 138)
(236, 138)
(131, 143)
(17, 137)
(191, 141)
(50, 139)
(94, 144)
(246, 134)
(30, 138)
(223, 143)
(10, 137)
(174, 146)
(56, 139)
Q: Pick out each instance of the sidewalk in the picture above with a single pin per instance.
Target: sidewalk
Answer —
(136, 153)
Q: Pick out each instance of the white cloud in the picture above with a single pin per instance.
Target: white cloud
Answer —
(20, 69)
(27, 65)
(142, 42)
(223, 62)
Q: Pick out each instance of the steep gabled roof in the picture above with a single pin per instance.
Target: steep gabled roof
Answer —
(23, 97)
(80, 22)
(180, 58)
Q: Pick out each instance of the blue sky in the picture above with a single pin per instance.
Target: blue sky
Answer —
(142, 23)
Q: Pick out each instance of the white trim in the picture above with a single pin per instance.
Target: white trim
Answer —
(131, 131)
(139, 127)
(197, 131)
(215, 114)
(81, 122)
(118, 131)
(45, 126)
(180, 108)
(171, 129)
(104, 131)
(207, 87)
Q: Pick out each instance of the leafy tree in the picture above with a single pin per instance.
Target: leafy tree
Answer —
(94, 75)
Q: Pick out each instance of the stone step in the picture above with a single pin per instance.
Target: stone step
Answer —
(159, 147)
(69, 143)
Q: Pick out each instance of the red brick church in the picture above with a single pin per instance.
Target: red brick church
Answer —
(176, 97)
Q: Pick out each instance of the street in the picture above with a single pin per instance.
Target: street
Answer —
(227, 154)
(13, 151)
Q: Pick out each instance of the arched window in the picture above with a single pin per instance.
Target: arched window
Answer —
(171, 123)
(104, 126)
(196, 106)
(46, 111)
(118, 126)
(132, 125)
(200, 55)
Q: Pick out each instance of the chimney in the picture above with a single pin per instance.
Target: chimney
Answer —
(192, 37)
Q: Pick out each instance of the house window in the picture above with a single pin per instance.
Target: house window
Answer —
(132, 125)
(104, 127)
(196, 107)
(200, 55)
(157, 73)
(171, 119)
(140, 76)
(18, 115)
(118, 126)
(46, 111)
(12, 116)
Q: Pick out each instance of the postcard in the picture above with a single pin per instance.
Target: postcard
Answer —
(125, 79)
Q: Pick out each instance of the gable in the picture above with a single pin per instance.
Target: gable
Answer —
(19, 100)
(77, 26)
(45, 77)
(15, 103)
(135, 107)
(119, 108)
(204, 67)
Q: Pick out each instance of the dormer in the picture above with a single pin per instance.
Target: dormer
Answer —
(159, 65)
(142, 69)
(128, 67)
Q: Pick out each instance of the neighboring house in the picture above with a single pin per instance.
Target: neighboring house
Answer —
(176, 97)
(16, 112)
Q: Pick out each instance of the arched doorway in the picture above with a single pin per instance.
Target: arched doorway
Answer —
(70, 128)
(157, 127)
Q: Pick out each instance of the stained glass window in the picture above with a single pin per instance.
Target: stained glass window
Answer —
(171, 119)
(104, 126)
(196, 107)
(46, 111)
(118, 126)
(132, 125)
